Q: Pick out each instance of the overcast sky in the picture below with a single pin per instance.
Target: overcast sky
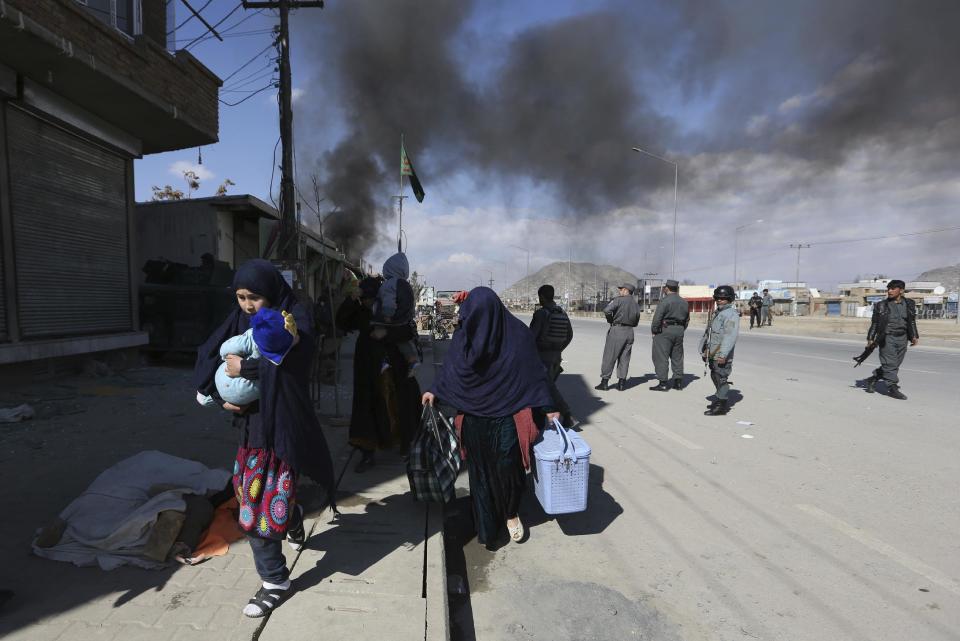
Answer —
(829, 121)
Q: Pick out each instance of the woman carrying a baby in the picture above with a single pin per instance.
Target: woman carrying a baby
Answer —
(256, 365)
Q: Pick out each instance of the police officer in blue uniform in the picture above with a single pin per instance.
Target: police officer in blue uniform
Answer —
(717, 345)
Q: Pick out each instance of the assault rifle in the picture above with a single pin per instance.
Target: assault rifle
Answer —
(865, 354)
(705, 353)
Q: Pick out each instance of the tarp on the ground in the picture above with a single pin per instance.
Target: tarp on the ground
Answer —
(109, 524)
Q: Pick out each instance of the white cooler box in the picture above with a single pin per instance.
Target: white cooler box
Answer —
(562, 471)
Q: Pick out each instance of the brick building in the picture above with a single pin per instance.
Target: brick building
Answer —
(85, 88)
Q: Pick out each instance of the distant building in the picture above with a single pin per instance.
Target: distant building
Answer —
(788, 297)
(857, 299)
(698, 297)
(190, 249)
(229, 228)
(926, 287)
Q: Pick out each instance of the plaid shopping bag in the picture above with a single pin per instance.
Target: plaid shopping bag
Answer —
(434, 461)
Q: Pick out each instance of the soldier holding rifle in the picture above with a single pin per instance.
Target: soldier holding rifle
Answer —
(717, 344)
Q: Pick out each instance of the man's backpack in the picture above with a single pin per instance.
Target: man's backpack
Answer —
(557, 332)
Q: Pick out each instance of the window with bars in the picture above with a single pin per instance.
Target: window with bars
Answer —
(123, 15)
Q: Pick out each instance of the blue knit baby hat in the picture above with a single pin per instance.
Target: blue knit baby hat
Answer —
(269, 334)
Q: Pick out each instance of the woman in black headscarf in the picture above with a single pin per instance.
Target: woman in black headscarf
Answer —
(494, 378)
(385, 410)
(280, 429)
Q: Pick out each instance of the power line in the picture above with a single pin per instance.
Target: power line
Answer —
(860, 240)
(269, 66)
(241, 88)
(273, 172)
(235, 9)
(258, 91)
(242, 20)
(742, 260)
(190, 17)
(239, 34)
(247, 63)
(204, 37)
(832, 242)
(237, 88)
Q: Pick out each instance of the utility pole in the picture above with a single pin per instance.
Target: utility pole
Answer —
(288, 217)
(526, 281)
(648, 297)
(796, 296)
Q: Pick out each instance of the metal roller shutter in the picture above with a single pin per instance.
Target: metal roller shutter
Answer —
(69, 207)
(3, 294)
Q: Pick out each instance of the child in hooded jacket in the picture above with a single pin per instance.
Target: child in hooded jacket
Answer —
(395, 306)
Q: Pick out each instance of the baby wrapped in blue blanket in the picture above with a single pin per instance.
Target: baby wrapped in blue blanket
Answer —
(268, 337)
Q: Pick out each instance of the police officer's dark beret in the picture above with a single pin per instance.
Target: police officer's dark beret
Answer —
(672, 284)
(630, 288)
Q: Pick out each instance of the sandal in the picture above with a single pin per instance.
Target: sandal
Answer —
(297, 535)
(264, 601)
(516, 532)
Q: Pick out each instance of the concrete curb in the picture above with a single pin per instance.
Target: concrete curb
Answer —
(437, 624)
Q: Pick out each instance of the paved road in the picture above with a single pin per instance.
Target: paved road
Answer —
(837, 520)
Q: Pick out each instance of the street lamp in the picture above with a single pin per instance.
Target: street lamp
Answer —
(676, 186)
(736, 235)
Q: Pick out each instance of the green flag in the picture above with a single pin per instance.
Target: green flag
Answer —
(406, 169)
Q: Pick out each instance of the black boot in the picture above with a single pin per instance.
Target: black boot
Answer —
(871, 384)
(603, 387)
(678, 384)
(894, 392)
(662, 386)
(719, 409)
(621, 384)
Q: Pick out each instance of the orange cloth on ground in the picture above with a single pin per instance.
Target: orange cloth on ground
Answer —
(223, 531)
(527, 433)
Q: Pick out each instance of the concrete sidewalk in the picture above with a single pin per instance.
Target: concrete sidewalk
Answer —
(376, 572)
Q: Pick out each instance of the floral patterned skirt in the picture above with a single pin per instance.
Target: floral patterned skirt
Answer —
(265, 487)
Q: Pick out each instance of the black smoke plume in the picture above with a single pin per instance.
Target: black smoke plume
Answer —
(560, 104)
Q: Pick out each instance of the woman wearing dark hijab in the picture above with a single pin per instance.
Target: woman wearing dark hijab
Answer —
(494, 378)
(385, 410)
(280, 436)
